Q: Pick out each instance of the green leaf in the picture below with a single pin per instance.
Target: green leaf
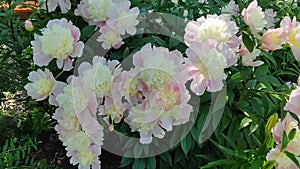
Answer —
(218, 163)
(160, 41)
(249, 43)
(269, 165)
(269, 141)
(139, 163)
(167, 157)
(292, 134)
(186, 143)
(271, 123)
(87, 32)
(126, 161)
(151, 164)
(285, 141)
(246, 121)
(226, 150)
(173, 42)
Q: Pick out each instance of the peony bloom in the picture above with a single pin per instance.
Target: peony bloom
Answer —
(59, 40)
(145, 121)
(293, 103)
(273, 39)
(293, 37)
(64, 5)
(206, 64)
(215, 27)
(112, 110)
(82, 135)
(93, 11)
(254, 17)
(282, 161)
(270, 18)
(110, 38)
(158, 66)
(287, 124)
(43, 83)
(29, 26)
(76, 97)
(231, 9)
(99, 76)
(121, 18)
(248, 58)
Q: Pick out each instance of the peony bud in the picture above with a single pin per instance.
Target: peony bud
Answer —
(29, 26)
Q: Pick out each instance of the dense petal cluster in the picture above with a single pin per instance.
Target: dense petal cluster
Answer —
(212, 41)
(215, 27)
(231, 9)
(77, 126)
(155, 92)
(206, 64)
(293, 105)
(60, 41)
(254, 17)
(93, 11)
(65, 5)
(285, 126)
(282, 161)
(43, 83)
(114, 17)
(257, 19)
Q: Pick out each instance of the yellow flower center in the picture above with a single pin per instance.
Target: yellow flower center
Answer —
(43, 86)
(57, 42)
(85, 158)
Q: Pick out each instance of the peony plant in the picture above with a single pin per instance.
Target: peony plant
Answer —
(231, 49)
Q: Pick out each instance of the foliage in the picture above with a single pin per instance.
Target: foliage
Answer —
(255, 98)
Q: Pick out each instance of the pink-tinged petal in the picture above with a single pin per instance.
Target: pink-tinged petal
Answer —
(199, 84)
(41, 60)
(273, 39)
(59, 63)
(84, 66)
(64, 5)
(33, 76)
(286, 23)
(52, 5)
(184, 114)
(230, 55)
(131, 30)
(293, 103)
(166, 123)
(296, 52)
(67, 64)
(215, 85)
(146, 138)
(158, 132)
(234, 42)
(75, 33)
